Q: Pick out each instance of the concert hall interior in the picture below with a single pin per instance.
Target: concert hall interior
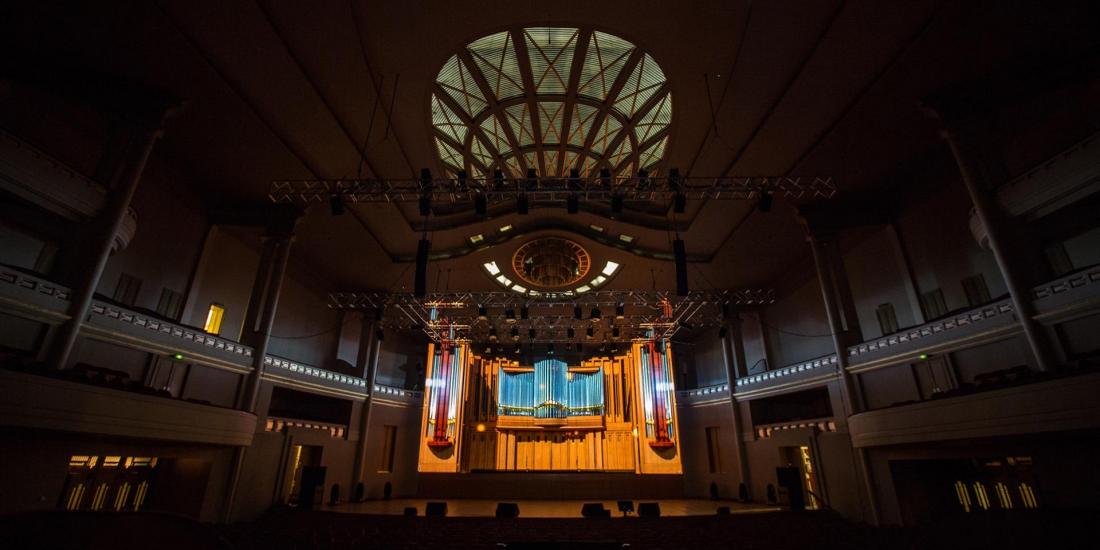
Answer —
(335, 274)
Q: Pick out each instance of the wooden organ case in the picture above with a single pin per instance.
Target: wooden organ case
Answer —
(605, 414)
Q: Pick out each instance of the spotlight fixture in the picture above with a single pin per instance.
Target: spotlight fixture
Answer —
(616, 204)
(549, 349)
(510, 315)
(531, 333)
(577, 313)
(481, 204)
(515, 334)
(425, 191)
(516, 351)
(620, 310)
(722, 332)
(589, 333)
(532, 176)
(605, 176)
(493, 334)
(380, 335)
(523, 312)
(674, 179)
(679, 203)
(336, 205)
(595, 314)
(765, 204)
(603, 348)
(460, 180)
(570, 332)
(522, 206)
(572, 204)
(574, 179)
(488, 349)
(498, 179)
(643, 178)
(378, 312)
(482, 313)
(614, 332)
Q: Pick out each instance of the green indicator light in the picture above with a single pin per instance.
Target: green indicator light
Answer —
(178, 357)
(923, 356)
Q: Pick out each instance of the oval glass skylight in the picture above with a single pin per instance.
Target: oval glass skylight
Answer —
(552, 99)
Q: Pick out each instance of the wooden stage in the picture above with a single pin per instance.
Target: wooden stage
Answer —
(546, 508)
(550, 485)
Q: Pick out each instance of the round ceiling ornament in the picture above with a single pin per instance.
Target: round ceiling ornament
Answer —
(551, 262)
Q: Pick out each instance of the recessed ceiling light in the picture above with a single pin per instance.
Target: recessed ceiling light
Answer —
(583, 288)
(596, 228)
(477, 238)
(505, 228)
(492, 268)
(610, 267)
(519, 289)
(626, 238)
(504, 280)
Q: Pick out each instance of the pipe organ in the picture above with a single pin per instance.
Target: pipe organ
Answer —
(612, 413)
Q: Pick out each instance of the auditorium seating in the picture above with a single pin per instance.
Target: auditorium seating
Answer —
(758, 531)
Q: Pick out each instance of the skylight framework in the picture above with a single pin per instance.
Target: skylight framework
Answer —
(551, 99)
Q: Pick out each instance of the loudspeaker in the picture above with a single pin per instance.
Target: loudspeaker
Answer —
(507, 510)
(420, 283)
(410, 510)
(572, 204)
(765, 204)
(481, 204)
(522, 205)
(679, 203)
(681, 267)
(593, 510)
(435, 509)
(649, 510)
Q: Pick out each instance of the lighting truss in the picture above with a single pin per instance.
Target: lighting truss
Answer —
(550, 190)
(455, 316)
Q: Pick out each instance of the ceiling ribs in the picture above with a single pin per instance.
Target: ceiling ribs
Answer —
(523, 58)
(609, 101)
(632, 123)
(374, 86)
(238, 90)
(786, 88)
(494, 107)
(311, 79)
(450, 101)
(579, 57)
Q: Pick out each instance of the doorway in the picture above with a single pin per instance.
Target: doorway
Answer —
(801, 457)
(301, 456)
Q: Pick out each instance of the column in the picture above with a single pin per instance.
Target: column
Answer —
(853, 401)
(912, 289)
(280, 257)
(847, 303)
(978, 185)
(731, 343)
(259, 291)
(103, 230)
(366, 362)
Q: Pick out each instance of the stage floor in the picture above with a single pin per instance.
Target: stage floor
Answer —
(546, 508)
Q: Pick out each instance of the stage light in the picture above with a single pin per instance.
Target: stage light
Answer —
(488, 349)
(481, 427)
(643, 178)
(523, 312)
(498, 179)
(517, 350)
(510, 315)
(574, 179)
(679, 203)
(616, 204)
(620, 310)
(515, 334)
(380, 335)
(482, 313)
(550, 349)
(336, 205)
(481, 204)
(589, 332)
(722, 332)
(605, 176)
(603, 348)
(570, 332)
(614, 332)
(461, 177)
(532, 176)
(765, 204)
(572, 204)
(493, 334)
(531, 333)
(595, 314)
(425, 191)
(577, 313)
(674, 179)
(522, 206)
(378, 313)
